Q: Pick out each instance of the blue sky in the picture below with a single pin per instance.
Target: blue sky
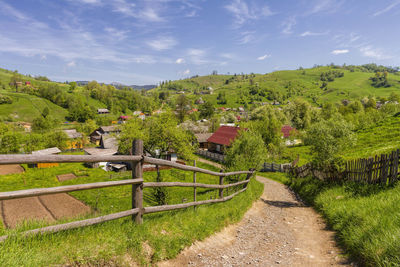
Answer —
(144, 42)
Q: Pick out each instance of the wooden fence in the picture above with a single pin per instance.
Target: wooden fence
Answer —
(383, 169)
(275, 167)
(137, 160)
(211, 155)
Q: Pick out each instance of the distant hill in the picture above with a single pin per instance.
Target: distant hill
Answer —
(318, 85)
(120, 85)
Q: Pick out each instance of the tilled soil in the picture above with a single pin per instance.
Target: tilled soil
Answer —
(66, 177)
(279, 230)
(47, 208)
(10, 169)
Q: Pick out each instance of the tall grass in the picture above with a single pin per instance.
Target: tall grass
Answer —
(365, 217)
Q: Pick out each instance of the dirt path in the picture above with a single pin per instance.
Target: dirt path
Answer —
(209, 162)
(277, 231)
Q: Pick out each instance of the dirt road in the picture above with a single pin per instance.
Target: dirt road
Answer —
(277, 231)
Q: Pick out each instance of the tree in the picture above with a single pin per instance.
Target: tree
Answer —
(160, 135)
(72, 86)
(10, 142)
(182, 107)
(247, 151)
(328, 111)
(299, 113)
(394, 97)
(45, 112)
(328, 138)
(206, 110)
(57, 139)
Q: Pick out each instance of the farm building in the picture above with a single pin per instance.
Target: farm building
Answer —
(103, 111)
(222, 138)
(95, 136)
(75, 139)
(98, 151)
(202, 139)
(47, 151)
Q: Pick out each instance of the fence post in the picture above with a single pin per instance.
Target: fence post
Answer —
(194, 188)
(221, 182)
(137, 189)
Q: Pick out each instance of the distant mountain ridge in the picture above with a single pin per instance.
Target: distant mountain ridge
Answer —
(121, 85)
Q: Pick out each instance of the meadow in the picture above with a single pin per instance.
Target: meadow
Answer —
(120, 242)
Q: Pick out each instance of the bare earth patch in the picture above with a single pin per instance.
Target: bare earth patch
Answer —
(47, 208)
(65, 177)
(279, 230)
(11, 169)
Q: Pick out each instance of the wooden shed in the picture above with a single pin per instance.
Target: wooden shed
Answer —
(47, 151)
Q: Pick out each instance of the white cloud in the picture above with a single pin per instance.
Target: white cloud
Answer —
(197, 56)
(162, 43)
(387, 9)
(227, 56)
(150, 14)
(288, 25)
(340, 51)
(329, 6)
(186, 72)
(180, 61)
(118, 34)
(369, 51)
(121, 6)
(247, 37)
(308, 33)
(43, 57)
(243, 12)
(263, 57)
(71, 64)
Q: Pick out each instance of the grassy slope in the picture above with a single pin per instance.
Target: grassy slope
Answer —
(354, 85)
(120, 241)
(365, 217)
(28, 107)
(381, 138)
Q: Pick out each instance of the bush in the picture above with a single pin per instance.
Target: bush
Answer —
(5, 99)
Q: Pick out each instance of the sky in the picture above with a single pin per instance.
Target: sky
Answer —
(148, 41)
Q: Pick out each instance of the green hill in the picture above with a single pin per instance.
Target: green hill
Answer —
(285, 85)
(28, 107)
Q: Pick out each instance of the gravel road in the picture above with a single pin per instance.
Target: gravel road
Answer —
(279, 230)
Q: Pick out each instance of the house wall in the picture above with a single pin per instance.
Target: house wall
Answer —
(46, 165)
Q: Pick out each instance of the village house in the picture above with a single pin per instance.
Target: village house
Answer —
(75, 139)
(95, 136)
(43, 152)
(199, 101)
(222, 139)
(103, 111)
(202, 139)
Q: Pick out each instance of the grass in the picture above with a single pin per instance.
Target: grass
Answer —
(365, 217)
(28, 107)
(120, 242)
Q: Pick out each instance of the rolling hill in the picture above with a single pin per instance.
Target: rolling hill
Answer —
(283, 86)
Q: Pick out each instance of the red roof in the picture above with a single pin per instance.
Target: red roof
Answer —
(224, 135)
(286, 130)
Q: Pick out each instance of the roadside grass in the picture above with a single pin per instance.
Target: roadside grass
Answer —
(280, 177)
(365, 217)
(120, 242)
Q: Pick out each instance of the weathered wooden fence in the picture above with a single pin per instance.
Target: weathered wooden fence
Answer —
(275, 167)
(383, 169)
(211, 155)
(137, 160)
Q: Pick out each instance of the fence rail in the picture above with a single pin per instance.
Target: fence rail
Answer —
(383, 169)
(137, 160)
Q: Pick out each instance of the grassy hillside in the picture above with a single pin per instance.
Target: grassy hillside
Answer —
(286, 85)
(28, 107)
(383, 137)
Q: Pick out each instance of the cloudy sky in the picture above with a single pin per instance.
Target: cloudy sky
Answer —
(146, 41)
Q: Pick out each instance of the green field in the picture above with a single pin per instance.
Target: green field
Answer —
(27, 107)
(120, 242)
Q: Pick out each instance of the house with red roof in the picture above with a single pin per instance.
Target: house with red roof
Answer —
(287, 131)
(222, 138)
